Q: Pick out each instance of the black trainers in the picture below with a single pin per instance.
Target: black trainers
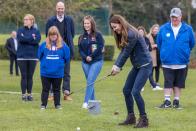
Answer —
(24, 98)
(166, 104)
(58, 107)
(176, 104)
(30, 98)
(42, 107)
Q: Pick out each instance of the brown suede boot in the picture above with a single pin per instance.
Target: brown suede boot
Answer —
(142, 122)
(67, 97)
(130, 120)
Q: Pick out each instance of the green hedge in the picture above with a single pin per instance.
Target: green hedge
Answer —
(3, 52)
(108, 54)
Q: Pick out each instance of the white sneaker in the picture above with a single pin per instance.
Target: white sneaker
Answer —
(142, 89)
(85, 105)
(43, 107)
(157, 88)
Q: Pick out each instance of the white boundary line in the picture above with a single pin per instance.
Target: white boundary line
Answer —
(12, 92)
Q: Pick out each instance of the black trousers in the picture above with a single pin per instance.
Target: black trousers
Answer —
(56, 87)
(27, 69)
(66, 78)
(157, 68)
(13, 59)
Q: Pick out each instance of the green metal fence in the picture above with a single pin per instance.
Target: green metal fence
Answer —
(100, 15)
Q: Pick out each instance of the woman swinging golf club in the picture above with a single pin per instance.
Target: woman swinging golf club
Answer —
(132, 45)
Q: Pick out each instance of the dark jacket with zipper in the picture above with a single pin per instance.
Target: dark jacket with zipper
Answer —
(136, 50)
(68, 30)
(10, 46)
(27, 44)
(148, 44)
(91, 46)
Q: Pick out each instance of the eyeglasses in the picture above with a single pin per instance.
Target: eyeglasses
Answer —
(52, 34)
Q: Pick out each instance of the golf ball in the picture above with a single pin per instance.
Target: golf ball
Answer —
(78, 128)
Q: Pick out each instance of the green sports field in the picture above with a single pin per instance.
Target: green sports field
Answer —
(16, 115)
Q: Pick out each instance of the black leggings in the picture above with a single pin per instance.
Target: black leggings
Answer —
(46, 85)
(157, 72)
(27, 69)
(157, 68)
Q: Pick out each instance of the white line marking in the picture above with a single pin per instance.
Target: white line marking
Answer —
(12, 92)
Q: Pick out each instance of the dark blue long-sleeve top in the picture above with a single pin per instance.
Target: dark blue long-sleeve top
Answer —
(136, 50)
(92, 46)
(28, 43)
(66, 29)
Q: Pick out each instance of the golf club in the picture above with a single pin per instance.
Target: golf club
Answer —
(103, 78)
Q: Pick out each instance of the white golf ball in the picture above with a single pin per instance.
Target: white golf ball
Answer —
(78, 128)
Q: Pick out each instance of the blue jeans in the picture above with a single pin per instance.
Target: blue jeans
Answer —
(91, 72)
(135, 81)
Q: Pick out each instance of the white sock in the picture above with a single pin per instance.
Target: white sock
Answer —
(167, 97)
(176, 98)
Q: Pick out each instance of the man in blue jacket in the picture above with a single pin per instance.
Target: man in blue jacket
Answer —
(175, 41)
(65, 26)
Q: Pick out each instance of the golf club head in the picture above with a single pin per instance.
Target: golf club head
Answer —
(70, 93)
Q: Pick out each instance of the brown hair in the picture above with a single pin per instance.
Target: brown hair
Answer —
(93, 24)
(122, 39)
(142, 28)
(54, 31)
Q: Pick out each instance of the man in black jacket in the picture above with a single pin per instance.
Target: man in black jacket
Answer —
(65, 25)
(12, 45)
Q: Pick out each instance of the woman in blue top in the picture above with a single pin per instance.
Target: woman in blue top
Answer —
(53, 54)
(132, 45)
(28, 43)
(91, 44)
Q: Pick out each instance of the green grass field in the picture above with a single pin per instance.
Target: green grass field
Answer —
(16, 115)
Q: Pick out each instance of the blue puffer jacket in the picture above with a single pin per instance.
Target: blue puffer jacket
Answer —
(136, 50)
(52, 62)
(28, 46)
(175, 51)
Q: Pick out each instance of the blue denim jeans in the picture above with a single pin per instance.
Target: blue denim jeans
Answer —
(91, 72)
(136, 79)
